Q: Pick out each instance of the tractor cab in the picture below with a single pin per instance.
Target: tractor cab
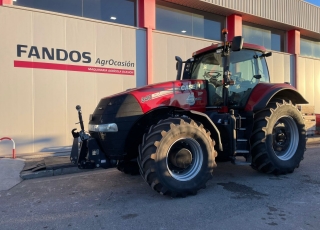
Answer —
(231, 72)
(247, 69)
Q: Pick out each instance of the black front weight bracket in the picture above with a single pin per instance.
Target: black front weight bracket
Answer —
(90, 156)
(75, 147)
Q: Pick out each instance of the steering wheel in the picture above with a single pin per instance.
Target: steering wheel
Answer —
(212, 77)
(212, 74)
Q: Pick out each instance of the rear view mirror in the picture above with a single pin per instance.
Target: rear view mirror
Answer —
(178, 67)
(268, 54)
(237, 43)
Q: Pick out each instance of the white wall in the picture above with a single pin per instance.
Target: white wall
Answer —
(38, 105)
(281, 67)
(166, 46)
(309, 80)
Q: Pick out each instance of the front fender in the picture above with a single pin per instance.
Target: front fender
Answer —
(207, 122)
(264, 92)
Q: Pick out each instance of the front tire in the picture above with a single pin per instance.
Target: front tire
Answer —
(177, 157)
(278, 139)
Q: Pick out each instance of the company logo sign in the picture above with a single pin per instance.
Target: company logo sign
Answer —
(74, 56)
(53, 54)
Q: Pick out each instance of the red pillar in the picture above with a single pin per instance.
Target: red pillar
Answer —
(147, 19)
(234, 26)
(294, 48)
(294, 42)
(5, 2)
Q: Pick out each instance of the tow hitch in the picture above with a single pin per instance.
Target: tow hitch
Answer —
(89, 155)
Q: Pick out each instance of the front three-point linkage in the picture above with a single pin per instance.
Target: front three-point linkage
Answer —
(76, 157)
(90, 155)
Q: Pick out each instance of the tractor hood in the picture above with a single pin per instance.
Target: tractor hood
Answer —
(118, 113)
(184, 94)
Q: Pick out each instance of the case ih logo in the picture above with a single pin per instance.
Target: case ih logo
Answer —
(61, 55)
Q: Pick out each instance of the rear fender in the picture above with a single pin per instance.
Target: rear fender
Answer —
(263, 93)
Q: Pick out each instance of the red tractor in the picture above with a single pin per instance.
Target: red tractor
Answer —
(221, 106)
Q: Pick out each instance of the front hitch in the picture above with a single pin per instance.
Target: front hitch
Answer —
(75, 156)
(90, 155)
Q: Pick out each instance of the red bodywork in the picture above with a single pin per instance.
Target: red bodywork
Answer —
(192, 95)
(180, 94)
(265, 91)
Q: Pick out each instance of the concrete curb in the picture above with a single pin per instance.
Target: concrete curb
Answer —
(43, 154)
(314, 139)
(53, 172)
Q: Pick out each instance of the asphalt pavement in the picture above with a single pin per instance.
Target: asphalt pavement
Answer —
(236, 198)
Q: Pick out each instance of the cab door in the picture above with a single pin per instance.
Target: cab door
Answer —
(248, 68)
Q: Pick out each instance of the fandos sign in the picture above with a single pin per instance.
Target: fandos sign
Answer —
(61, 56)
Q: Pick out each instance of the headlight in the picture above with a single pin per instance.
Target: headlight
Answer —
(112, 127)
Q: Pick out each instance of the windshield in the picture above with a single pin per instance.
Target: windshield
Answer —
(247, 69)
(208, 67)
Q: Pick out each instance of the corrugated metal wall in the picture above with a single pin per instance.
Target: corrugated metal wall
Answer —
(38, 105)
(281, 67)
(292, 12)
(309, 80)
(166, 46)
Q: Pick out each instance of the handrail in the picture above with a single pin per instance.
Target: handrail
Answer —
(14, 145)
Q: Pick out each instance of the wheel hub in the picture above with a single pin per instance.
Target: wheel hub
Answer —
(181, 159)
(285, 138)
(281, 137)
(184, 159)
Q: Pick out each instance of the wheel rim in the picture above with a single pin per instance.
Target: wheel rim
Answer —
(285, 138)
(189, 146)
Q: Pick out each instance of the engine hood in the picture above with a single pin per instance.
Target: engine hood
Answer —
(184, 94)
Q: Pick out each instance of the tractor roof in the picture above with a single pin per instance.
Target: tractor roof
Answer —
(215, 46)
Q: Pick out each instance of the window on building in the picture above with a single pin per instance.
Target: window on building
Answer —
(117, 11)
(310, 47)
(183, 20)
(73, 7)
(270, 38)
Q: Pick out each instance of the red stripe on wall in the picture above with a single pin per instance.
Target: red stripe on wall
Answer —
(67, 67)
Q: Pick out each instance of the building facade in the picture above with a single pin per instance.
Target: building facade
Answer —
(56, 54)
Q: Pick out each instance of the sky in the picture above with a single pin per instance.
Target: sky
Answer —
(314, 2)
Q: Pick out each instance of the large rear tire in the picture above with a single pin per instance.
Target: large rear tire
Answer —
(177, 157)
(278, 139)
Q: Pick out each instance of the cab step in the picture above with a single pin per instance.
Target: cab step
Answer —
(243, 151)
